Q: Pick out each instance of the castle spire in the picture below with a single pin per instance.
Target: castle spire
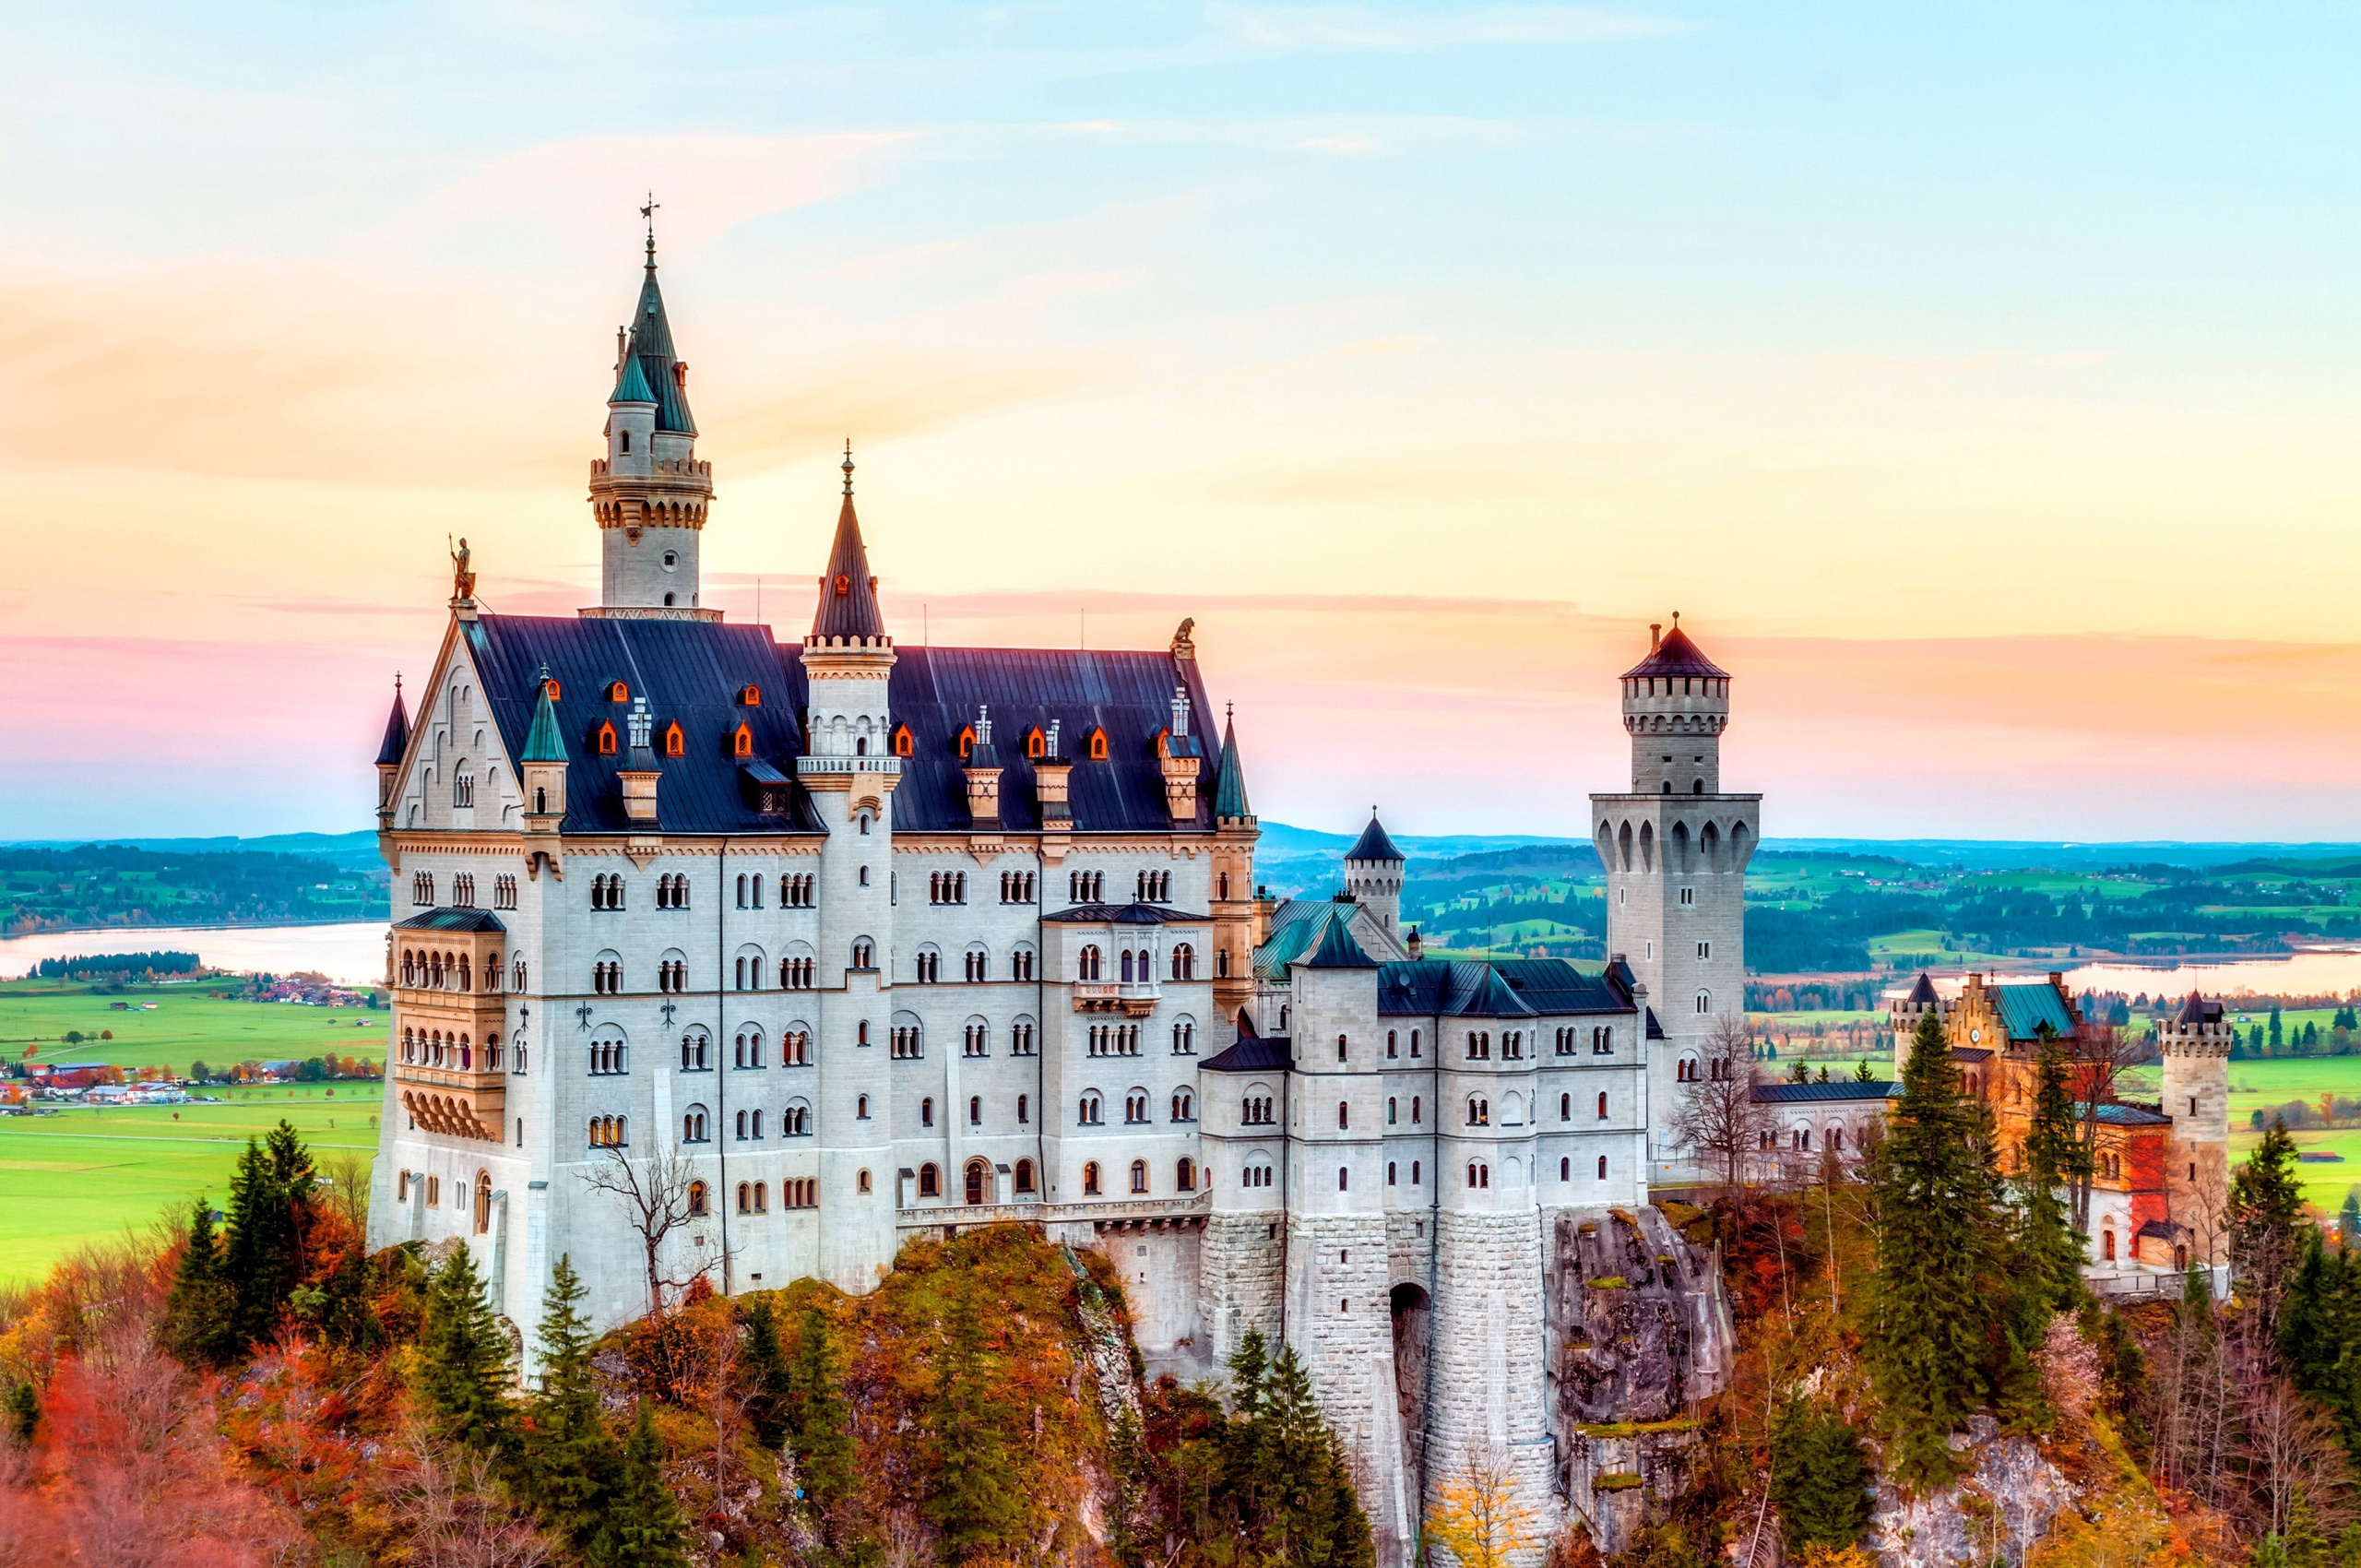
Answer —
(1229, 797)
(649, 492)
(848, 591)
(397, 740)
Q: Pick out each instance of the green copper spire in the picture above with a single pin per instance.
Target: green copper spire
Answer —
(1229, 800)
(544, 743)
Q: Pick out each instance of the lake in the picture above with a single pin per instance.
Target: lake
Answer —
(2314, 972)
(352, 952)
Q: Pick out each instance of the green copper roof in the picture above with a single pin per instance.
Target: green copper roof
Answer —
(632, 385)
(1337, 949)
(544, 743)
(651, 346)
(1229, 799)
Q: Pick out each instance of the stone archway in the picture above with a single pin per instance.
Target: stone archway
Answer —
(1413, 1343)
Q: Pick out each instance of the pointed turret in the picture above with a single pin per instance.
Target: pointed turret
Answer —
(389, 755)
(1374, 874)
(649, 492)
(848, 592)
(1373, 845)
(1230, 796)
(397, 740)
(543, 764)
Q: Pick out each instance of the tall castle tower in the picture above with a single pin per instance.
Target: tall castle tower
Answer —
(1373, 874)
(2196, 1048)
(850, 770)
(1676, 849)
(649, 492)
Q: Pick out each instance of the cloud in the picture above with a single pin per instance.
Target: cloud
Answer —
(1349, 28)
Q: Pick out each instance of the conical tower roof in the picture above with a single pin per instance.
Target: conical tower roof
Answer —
(397, 740)
(848, 593)
(1922, 995)
(1677, 654)
(1229, 798)
(544, 743)
(651, 351)
(1373, 845)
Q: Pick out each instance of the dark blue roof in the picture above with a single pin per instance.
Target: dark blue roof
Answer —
(936, 691)
(397, 740)
(452, 919)
(1837, 1088)
(689, 672)
(1253, 1054)
(1125, 914)
(1497, 988)
(1373, 845)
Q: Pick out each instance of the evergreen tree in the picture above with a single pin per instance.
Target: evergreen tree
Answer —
(1310, 1513)
(1935, 1237)
(817, 1419)
(972, 1500)
(2266, 1214)
(1820, 1479)
(269, 1197)
(1861, 1074)
(2348, 1221)
(2049, 1251)
(463, 1369)
(201, 1314)
(644, 1527)
(571, 1466)
(763, 1366)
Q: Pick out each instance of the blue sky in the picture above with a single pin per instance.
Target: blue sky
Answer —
(1878, 339)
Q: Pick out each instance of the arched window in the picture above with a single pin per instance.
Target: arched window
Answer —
(1479, 1112)
(1565, 1170)
(693, 1125)
(1098, 745)
(1139, 1176)
(977, 1186)
(1705, 1002)
(1602, 1105)
(1025, 1176)
(926, 1111)
(1184, 962)
(929, 1181)
(1184, 1105)
(1566, 1106)
(697, 1198)
(1602, 1168)
(1184, 1176)
(1090, 1178)
(1087, 962)
(1344, 1178)
(1089, 1113)
(860, 1182)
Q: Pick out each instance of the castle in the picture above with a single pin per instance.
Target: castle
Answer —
(865, 941)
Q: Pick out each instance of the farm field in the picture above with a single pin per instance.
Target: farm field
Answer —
(89, 1172)
(187, 1025)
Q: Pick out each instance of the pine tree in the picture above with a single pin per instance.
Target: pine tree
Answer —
(201, 1314)
(263, 1261)
(1820, 1479)
(1311, 1515)
(817, 1419)
(761, 1366)
(644, 1527)
(571, 1465)
(971, 1498)
(1861, 1074)
(463, 1371)
(2049, 1251)
(2266, 1213)
(1936, 1245)
(2348, 1221)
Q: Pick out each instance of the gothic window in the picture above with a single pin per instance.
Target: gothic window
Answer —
(1184, 1176)
(422, 888)
(1020, 1038)
(1602, 1105)
(1087, 1114)
(1139, 1176)
(463, 891)
(503, 892)
(1135, 1107)
(1090, 1179)
(1479, 1112)
(693, 1125)
(673, 745)
(1098, 745)
(693, 1051)
(741, 741)
(1184, 962)
(929, 965)
(795, 1122)
(1184, 1037)
(1184, 1105)
(1025, 1177)
(1087, 962)
(904, 746)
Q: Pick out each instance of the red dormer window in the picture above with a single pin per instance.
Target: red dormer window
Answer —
(750, 697)
(618, 692)
(673, 745)
(966, 742)
(1036, 744)
(555, 691)
(741, 741)
(844, 585)
(606, 740)
(904, 744)
(1098, 745)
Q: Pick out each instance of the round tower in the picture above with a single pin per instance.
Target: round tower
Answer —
(2195, 1044)
(650, 492)
(1373, 874)
(1675, 705)
(1902, 1017)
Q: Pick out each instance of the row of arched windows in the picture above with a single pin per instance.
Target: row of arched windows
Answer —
(606, 891)
(433, 1048)
(795, 890)
(672, 891)
(430, 970)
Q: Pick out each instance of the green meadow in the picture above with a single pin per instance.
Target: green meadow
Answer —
(93, 1172)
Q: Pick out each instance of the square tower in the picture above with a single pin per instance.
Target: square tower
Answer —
(1676, 848)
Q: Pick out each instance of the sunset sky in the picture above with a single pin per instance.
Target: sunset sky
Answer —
(1984, 392)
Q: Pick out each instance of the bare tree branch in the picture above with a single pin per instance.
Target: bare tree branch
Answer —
(655, 1197)
(1717, 1120)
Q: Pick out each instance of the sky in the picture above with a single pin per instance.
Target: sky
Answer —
(1979, 383)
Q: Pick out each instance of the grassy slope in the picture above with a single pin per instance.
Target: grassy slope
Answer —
(90, 1171)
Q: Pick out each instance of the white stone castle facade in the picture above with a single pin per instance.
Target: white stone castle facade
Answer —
(879, 942)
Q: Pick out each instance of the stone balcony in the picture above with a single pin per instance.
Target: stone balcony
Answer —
(809, 766)
(1134, 999)
(456, 1102)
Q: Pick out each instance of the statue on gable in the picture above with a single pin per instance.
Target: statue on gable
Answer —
(463, 580)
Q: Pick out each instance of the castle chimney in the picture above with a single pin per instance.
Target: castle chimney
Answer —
(1655, 636)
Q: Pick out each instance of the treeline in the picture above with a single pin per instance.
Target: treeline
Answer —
(113, 885)
(317, 1401)
(118, 965)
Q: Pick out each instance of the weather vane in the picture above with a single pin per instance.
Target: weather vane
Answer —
(647, 211)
